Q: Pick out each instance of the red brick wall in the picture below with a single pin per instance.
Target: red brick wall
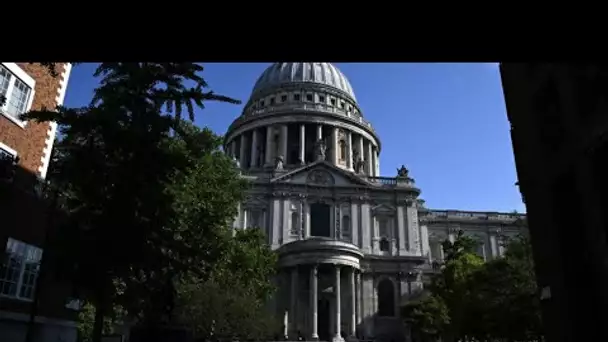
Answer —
(25, 215)
(29, 141)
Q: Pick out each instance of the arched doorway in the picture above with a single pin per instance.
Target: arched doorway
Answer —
(320, 220)
(386, 298)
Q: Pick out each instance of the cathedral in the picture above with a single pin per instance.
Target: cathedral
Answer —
(353, 246)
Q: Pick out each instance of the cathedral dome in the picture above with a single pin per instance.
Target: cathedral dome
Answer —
(283, 74)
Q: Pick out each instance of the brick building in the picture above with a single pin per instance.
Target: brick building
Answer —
(25, 153)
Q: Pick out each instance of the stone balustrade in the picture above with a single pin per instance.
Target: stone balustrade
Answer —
(291, 107)
(472, 216)
(392, 181)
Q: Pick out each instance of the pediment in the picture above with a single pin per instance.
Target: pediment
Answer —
(322, 174)
(384, 209)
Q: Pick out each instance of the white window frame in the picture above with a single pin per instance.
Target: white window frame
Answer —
(22, 271)
(8, 149)
(25, 78)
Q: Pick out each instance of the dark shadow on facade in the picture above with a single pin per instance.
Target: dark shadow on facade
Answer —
(29, 286)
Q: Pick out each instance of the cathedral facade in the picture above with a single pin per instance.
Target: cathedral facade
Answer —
(353, 246)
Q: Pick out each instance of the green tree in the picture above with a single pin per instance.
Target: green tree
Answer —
(118, 165)
(445, 310)
(505, 297)
(428, 317)
(86, 321)
(231, 303)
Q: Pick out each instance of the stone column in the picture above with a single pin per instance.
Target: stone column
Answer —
(361, 150)
(244, 216)
(283, 147)
(254, 148)
(293, 303)
(338, 320)
(334, 145)
(313, 302)
(353, 303)
(375, 157)
(349, 157)
(377, 162)
(319, 131)
(370, 159)
(233, 148)
(493, 245)
(243, 156)
(302, 144)
(359, 297)
(268, 151)
(307, 221)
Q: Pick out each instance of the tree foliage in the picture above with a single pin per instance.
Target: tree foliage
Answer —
(86, 322)
(468, 298)
(146, 195)
(429, 317)
(230, 304)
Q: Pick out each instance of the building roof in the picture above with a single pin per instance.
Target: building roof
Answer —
(280, 74)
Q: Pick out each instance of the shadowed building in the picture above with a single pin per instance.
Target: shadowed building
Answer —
(25, 151)
(353, 246)
(558, 129)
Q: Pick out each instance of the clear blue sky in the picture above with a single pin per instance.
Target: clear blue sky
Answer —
(446, 122)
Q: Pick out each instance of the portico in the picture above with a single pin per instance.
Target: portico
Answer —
(323, 288)
(330, 305)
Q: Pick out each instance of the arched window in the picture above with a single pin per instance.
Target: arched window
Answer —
(342, 150)
(384, 245)
(386, 298)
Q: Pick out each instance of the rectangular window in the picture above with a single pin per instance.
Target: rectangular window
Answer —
(283, 98)
(296, 97)
(16, 92)
(8, 160)
(6, 154)
(383, 227)
(19, 270)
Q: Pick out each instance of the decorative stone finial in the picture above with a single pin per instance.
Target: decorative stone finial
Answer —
(403, 172)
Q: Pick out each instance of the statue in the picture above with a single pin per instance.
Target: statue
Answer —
(320, 149)
(402, 172)
(278, 163)
(237, 162)
(358, 163)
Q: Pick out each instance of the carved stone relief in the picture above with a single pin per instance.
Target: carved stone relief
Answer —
(320, 177)
(338, 217)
